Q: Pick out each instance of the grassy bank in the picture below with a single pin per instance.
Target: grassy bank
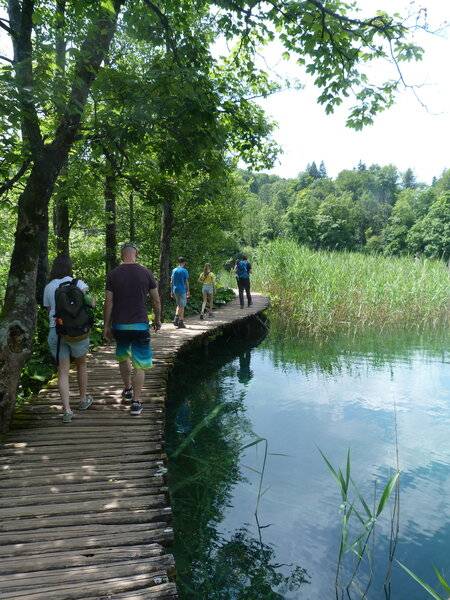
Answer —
(324, 293)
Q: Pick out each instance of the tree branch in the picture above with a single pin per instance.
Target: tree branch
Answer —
(7, 185)
(3, 25)
(92, 54)
(170, 45)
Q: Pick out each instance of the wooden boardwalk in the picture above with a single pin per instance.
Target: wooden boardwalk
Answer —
(84, 509)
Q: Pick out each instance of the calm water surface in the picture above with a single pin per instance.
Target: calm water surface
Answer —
(301, 397)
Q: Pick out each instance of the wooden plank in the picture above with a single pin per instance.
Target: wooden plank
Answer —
(87, 542)
(157, 566)
(134, 516)
(155, 486)
(105, 590)
(74, 531)
(146, 500)
(78, 558)
(108, 483)
(70, 474)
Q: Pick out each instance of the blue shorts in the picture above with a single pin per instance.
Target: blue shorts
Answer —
(207, 288)
(66, 349)
(134, 344)
(180, 299)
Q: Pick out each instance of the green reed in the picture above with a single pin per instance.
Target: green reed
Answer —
(359, 517)
(320, 293)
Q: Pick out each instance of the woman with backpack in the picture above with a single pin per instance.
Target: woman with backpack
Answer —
(69, 325)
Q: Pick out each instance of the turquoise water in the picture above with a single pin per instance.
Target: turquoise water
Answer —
(251, 525)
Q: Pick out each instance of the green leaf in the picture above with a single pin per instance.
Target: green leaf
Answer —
(425, 586)
(442, 581)
(108, 5)
(387, 492)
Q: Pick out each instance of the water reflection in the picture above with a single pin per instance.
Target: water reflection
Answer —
(299, 396)
(245, 373)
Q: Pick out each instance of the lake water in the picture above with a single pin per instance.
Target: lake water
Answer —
(248, 528)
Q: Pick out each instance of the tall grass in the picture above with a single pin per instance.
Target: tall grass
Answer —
(321, 293)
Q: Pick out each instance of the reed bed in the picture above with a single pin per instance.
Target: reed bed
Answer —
(320, 293)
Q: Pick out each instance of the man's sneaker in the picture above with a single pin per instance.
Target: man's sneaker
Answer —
(181, 325)
(176, 321)
(127, 395)
(202, 316)
(86, 402)
(136, 408)
(67, 416)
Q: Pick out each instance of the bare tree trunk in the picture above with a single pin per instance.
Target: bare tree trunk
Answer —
(132, 219)
(165, 249)
(42, 268)
(110, 224)
(61, 223)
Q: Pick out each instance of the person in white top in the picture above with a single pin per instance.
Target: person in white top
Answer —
(61, 272)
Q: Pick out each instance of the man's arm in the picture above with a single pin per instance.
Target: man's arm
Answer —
(107, 312)
(171, 286)
(156, 305)
(188, 293)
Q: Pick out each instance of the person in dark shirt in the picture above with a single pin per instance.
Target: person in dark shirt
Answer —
(125, 319)
(243, 269)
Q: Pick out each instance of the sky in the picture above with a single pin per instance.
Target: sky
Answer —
(408, 135)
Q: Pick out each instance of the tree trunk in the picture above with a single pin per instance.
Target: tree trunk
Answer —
(19, 309)
(110, 226)
(42, 268)
(61, 223)
(165, 249)
(132, 220)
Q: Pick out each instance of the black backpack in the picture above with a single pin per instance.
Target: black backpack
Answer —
(73, 316)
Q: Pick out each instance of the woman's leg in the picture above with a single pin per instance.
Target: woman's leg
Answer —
(210, 298)
(205, 300)
(63, 381)
(82, 376)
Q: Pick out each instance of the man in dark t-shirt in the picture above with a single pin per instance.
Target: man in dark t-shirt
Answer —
(125, 318)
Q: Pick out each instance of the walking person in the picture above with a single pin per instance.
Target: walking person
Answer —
(208, 281)
(125, 318)
(68, 303)
(243, 269)
(179, 285)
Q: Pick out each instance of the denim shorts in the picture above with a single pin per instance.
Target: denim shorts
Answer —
(180, 299)
(207, 288)
(134, 344)
(66, 349)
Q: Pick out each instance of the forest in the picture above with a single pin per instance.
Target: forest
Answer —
(375, 209)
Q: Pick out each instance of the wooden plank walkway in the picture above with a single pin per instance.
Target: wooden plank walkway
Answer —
(84, 509)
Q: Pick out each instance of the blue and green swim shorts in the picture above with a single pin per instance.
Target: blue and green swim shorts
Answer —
(133, 344)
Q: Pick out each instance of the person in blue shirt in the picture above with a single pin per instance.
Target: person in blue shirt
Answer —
(243, 269)
(179, 285)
